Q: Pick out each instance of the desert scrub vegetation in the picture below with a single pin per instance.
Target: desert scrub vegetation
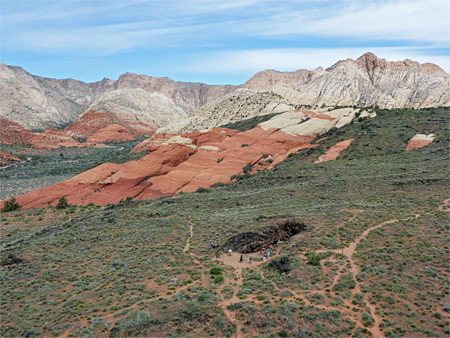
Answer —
(100, 271)
(10, 205)
(40, 167)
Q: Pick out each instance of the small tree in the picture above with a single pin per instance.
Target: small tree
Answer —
(11, 205)
(62, 203)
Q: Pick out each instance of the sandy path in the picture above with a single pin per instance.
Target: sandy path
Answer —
(191, 231)
(236, 282)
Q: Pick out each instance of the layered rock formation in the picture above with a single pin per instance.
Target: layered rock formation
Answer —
(14, 133)
(52, 138)
(419, 141)
(38, 103)
(334, 152)
(92, 122)
(183, 163)
(6, 157)
(369, 81)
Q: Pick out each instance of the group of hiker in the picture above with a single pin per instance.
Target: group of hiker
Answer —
(213, 245)
(264, 252)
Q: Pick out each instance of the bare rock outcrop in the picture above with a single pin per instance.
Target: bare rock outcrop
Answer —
(419, 141)
(6, 157)
(39, 103)
(93, 121)
(253, 241)
(13, 133)
(334, 152)
(178, 163)
(112, 133)
(366, 82)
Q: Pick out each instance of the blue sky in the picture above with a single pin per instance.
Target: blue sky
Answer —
(215, 42)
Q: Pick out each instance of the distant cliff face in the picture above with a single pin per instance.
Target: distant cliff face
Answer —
(368, 81)
(38, 103)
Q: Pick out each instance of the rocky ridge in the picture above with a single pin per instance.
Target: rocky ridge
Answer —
(366, 82)
(178, 163)
(39, 103)
(52, 138)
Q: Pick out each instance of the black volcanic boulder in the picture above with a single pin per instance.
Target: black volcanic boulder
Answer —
(248, 242)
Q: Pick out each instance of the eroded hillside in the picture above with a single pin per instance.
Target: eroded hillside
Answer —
(370, 262)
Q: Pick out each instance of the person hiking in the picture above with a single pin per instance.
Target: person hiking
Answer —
(241, 259)
(250, 260)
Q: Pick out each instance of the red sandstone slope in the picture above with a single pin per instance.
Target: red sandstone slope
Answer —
(93, 121)
(175, 163)
(335, 151)
(6, 157)
(112, 133)
(419, 141)
(14, 133)
(97, 127)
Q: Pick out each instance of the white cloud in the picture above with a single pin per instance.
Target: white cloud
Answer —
(252, 61)
(413, 20)
(117, 26)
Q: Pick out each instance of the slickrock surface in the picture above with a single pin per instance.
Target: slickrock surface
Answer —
(38, 103)
(52, 138)
(14, 133)
(183, 163)
(179, 163)
(94, 121)
(335, 151)
(365, 82)
(112, 133)
(419, 141)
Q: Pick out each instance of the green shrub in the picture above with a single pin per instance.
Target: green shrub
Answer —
(216, 271)
(62, 203)
(11, 205)
(247, 169)
(313, 258)
(283, 333)
(219, 279)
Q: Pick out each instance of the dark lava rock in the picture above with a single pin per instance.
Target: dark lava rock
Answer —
(248, 242)
(283, 264)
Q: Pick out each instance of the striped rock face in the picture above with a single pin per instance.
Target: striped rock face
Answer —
(178, 163)
(419, 141)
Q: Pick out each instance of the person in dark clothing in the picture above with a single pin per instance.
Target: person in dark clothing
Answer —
(241, 259)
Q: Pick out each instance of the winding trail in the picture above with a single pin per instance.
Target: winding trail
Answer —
(235, 280)
(191, 231)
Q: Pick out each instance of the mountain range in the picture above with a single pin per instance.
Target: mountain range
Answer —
(142, 103)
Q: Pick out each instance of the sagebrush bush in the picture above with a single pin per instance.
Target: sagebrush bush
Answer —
(11, 205)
